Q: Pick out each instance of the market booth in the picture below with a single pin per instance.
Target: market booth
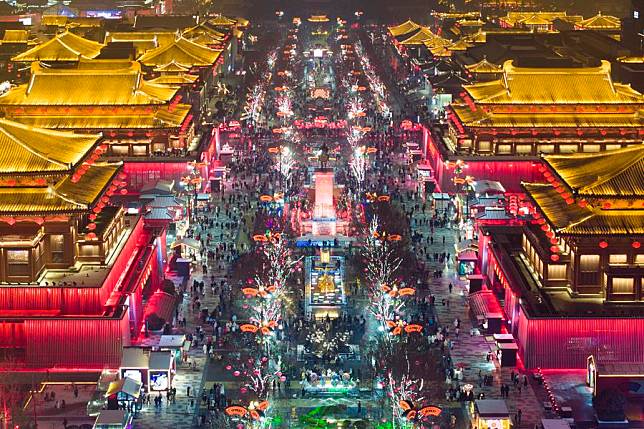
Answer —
(491, 414)
(113, 419)
(175, 344)
(155, 370)
(507, 353)
(123, 394)
(626, 377)
(161, 369)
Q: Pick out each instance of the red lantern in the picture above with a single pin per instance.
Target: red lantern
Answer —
(92, 216)
(570, 201)
(554, 257)
(123, 191)
(90, 235)
(554, 241)
(603, 244)
(550, 234)
(97, 210)
(91, 226)
(105, 199)
(554, 249)
(545, 227)
(636, 244)
(122, 176)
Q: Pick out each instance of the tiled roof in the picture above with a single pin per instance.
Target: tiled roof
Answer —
(28, 150)
(162, 118)
(528, 85)
(64, 197)
(572, 219)
(618, 173)
(114, 86)
(63, 47)
(182, 51)
(404, 28)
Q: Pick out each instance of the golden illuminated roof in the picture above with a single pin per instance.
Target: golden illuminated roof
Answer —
(456, 15)
(242, 22)
(15, 36)
(221, 21)
(164, 117)
(65, 46)
(201, 29)
(471, 22)
(204, 39)
(418, 38)
(318, 18)
(528, 85)
(175, 79)
(64, 197)
(96, 83)
(404, 28)
(536, 18)
(482, 119)
(53, 20)
(631, 60)
(157, 38)
(460, 45)
(484, 66)
(572, 219)
(436, 44)
(28, 150)
(183, 52)
(600, 22)
(172, 67)
(615, 173)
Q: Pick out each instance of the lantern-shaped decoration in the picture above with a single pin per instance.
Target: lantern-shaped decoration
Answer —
(603, 244)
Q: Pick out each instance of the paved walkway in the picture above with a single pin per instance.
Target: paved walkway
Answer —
(468, 349)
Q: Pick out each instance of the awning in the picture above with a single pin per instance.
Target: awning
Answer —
(160, 361)
(483, 187)
(163, 305)
(467, 255)
(483, 302)
(468, 244)
(126, 385)
(188, 242)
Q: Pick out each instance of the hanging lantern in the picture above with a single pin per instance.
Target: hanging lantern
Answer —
(105, 199)
(550, 234)
(90, 236)
(554, 258)
(92, 216)
(554, 249)
(545, 227)
(97, 210)
(603, 244)
(122, 176)
(636, 244)
(554, 241)
(91, 226)
(570, 200)
(123, 191)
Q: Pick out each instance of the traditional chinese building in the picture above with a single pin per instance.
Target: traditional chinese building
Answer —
(500, 127)
(571, 279)
(141, 121)
(72, 264)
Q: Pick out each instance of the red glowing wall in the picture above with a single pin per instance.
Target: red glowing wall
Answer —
(567, 343)
(75, 343)
(509, 173)
(140, 173)
(81, 300)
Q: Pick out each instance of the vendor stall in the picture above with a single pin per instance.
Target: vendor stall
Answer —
(507, 353)
(626, 377)
(161, 369)
(124, 394)
(113, 419)
(176, 344)
(491, 414)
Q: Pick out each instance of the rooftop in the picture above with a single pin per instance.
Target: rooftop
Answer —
(181, 51)
(565, 85)
(99, 83)
(65, 46)
(616, 173)
(29, 150)
(404, 28)
(573, 219)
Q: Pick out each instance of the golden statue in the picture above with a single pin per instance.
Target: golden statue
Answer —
(326, 284)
